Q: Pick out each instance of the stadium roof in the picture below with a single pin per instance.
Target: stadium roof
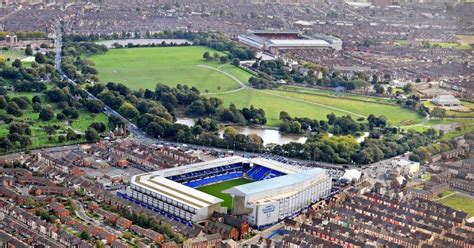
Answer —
(274, 165)
(275, 183)
(271, 31)
(175, 191)
(199, 166)
(313, 42)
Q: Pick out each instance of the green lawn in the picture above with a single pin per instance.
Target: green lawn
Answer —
(216, 189)
(451, 45)
(12, 54)
(145, 67)
(459, 202)
(315, 106)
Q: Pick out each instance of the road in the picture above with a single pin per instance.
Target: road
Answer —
(132, 128)
(81, 213)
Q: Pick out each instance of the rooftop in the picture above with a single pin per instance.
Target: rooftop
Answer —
(275, 183)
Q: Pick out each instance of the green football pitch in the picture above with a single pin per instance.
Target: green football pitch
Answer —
(216, 190)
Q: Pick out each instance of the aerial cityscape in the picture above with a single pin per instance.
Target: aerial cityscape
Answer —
(237, 124)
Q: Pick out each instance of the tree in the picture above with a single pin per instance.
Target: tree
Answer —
(17, 63)
(28, 50)
(438, 112)
(92, 135)
(62, 138)
(95, 106)
(40, 58)
(413, 157)
(36, 99)
(216, 56)
(49, 130)
(24, 141)
(379, 89)
(207, 56)
(129, 111)
(13, 109)
(6, 144)
(224, 59)
(408, 88)
(46, 114)
(390, 90)
(84, 235)
(3, 102)
(98, 126)
(236, 62)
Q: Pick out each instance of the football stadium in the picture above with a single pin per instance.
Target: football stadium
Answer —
(262, 191)
(273, 41)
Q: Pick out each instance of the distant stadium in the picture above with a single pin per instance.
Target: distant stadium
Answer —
(263, 191)
(273, 41)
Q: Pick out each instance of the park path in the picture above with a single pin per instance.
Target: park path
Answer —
(313, 103)
(446, 196)
(242, 85)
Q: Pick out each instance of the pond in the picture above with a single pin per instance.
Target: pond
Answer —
(269, 136)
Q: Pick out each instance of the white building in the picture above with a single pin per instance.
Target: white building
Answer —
(287, 40)
(446, 101)
(272, 200)
(407, 167)
(398, 84)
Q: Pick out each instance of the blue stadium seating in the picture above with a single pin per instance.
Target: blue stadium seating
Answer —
(212, 180)
(258, 173)
(224, 173)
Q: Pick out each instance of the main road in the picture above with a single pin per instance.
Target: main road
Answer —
(132, 128)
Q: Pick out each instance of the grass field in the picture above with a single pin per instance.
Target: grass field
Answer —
(459, 202)
(216, 190)
(316, 106)
(145, 67)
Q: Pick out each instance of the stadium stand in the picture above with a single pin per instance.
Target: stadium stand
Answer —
(258, 173)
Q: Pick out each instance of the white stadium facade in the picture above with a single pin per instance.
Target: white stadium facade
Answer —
(278, 191)
(273, 41)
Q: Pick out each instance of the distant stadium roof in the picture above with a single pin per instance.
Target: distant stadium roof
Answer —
(270, 31)
(304, 43)
(274, 183)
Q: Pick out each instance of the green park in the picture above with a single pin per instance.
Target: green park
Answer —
(145, 67)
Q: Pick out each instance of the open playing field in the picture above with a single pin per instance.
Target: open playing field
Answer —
(215, 190)
(317, 106)
(145, 67)
(459, 202)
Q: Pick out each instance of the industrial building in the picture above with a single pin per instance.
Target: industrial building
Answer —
(274, 41)
(277, 191)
